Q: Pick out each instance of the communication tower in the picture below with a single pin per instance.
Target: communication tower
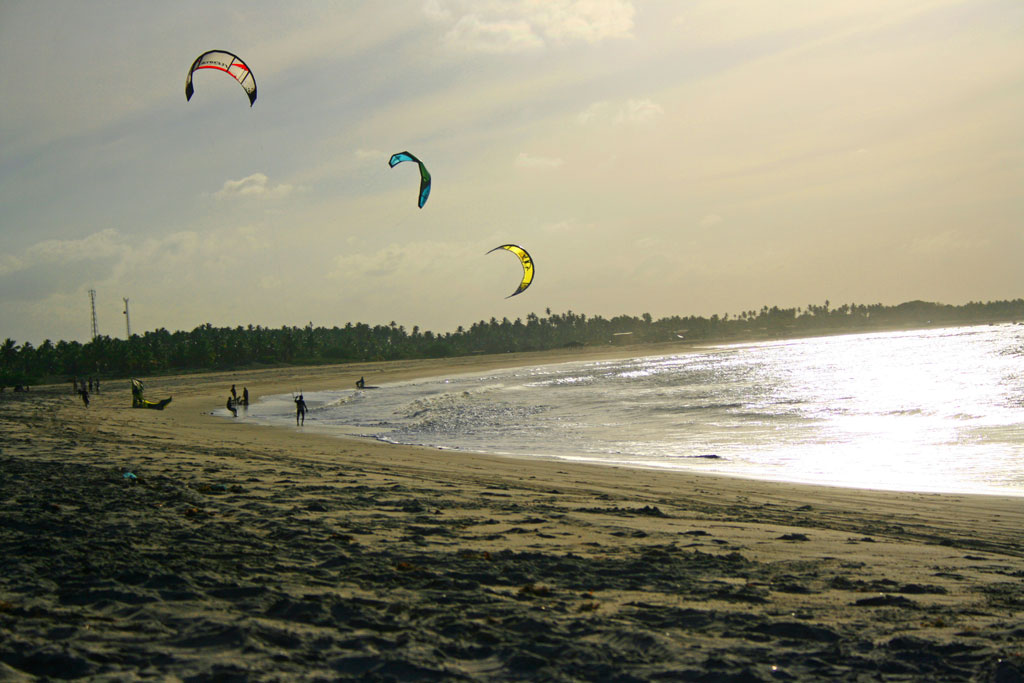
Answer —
(92, 300)
(127, 320)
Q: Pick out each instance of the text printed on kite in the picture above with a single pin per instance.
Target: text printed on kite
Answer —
(229, 63)
(424, 173)
(527, 262)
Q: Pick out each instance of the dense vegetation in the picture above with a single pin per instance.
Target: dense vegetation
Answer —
(222, 348)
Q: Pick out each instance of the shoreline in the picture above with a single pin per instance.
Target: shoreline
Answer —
(234, 551)
(539, 359)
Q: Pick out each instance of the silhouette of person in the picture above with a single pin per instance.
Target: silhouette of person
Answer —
(85, 395)
(233, 394)
(360, 383)
(245, 396)
(231, 407)
(300, 410)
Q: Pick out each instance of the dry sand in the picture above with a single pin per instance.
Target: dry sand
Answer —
(250, 553)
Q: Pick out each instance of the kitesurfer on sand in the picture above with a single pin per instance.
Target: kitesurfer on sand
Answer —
(360, 383)
(300, 410)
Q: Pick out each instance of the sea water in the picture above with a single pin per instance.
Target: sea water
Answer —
(924, 410)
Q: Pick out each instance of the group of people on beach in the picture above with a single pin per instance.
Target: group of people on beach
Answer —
(83, 389)
(234, 400)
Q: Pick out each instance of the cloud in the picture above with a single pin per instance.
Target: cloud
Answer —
(639, 112)
(408, 261)
(9, 263)
(631, 112)
(60, 265)
(512, 26)
(99, 246)
(478, 35)
(589, 21)
(109, 258)
(595, 112)
(255, 185)
(437, 10)
(384, 263)
(525, 160)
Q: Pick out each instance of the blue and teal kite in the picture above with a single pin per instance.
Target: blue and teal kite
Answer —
(424, 173)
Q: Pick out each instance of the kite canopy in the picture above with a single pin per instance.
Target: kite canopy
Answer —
(424, 173)
(227, 62)
(527, 262)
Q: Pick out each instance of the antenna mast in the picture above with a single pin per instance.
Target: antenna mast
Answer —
(92, 300)
(127, 320)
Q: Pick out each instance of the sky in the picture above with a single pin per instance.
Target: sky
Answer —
(678, 157)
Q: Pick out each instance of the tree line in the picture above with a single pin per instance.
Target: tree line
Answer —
(224, 348)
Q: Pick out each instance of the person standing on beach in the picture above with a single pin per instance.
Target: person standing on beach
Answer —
(245, 396)
(231, 407)
(234, 396)
(300, 410)
(85, 395)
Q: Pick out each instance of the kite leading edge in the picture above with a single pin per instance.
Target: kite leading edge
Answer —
(230, 64)
(424, 173)
(527, 262)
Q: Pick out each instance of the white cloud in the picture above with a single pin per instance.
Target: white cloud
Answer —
(639, 112)
(60, 265)
(589, 21)
(48, 253)
(631, 112)
(525, 160)
(109, 258)
(98, 245)
(51, 266)
(10, 263)
(595, 112)
(255, 185)
(508, 26)
(383, 263)
(479, 35)
(436, 10)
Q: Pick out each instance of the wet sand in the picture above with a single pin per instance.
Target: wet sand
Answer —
(235, 552)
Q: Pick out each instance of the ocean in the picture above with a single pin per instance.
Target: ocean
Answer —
(936, 410)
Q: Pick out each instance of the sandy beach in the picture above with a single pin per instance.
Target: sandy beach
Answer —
(142, 544)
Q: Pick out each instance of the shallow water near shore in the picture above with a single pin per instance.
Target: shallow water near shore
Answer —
(924, 410)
